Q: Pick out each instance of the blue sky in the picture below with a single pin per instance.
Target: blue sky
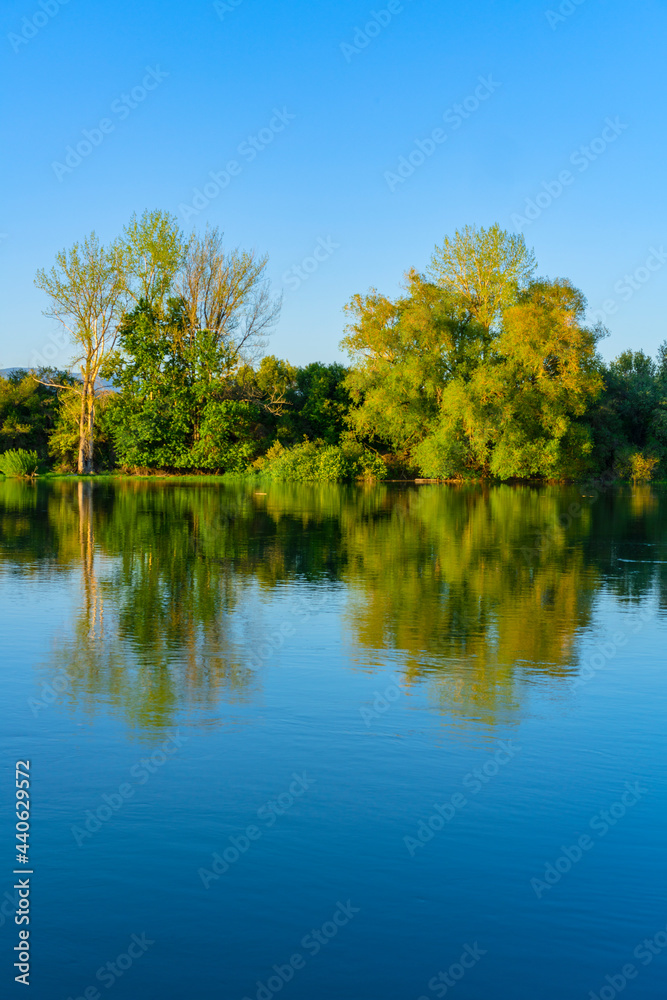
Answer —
(329, 97)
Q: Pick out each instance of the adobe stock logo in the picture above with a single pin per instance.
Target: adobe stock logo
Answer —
(378, 21)
(454, 116)
(295, 276)
(445, 981)
(474, 782)
(601, 823)
(581, 158)
(566, 9)
(630, 283)
(123, 106)
(249, 149)
(31, 26)
(221, 8)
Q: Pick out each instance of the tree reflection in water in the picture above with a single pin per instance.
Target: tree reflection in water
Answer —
(476, 591)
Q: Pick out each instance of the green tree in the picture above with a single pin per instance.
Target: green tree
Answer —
(631, 415)
(521, 413)
(86, 287)
(187, 400)
(152, 250)
(632, 379)
(404, 354)
(431, 380)
(174, 410)
(317, 404)
(269, 386)
(484, 268)
(545, 381)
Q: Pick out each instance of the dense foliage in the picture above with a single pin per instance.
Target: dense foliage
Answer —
(479, 369)
(465, 400)
(316, 461)
(28, 411)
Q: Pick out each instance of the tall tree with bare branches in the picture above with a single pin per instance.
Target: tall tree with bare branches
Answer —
(87, 290)
(226, 293)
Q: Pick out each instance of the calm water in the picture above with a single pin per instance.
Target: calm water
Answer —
(330, 742)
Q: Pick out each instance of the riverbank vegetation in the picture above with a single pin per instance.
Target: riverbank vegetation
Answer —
(479, 369)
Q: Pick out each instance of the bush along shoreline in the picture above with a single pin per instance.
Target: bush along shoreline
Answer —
(478, 370)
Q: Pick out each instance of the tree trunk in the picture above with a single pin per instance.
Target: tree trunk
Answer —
(91, 428)
(86, 428)
(82, 433)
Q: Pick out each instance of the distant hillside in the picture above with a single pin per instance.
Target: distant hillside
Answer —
(9, 372)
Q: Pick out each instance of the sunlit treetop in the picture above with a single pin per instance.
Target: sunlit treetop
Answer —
(485, 267)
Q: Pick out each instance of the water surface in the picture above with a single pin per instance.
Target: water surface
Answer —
(332, 742)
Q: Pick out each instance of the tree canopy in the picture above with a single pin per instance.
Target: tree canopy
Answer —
(478, 368)
(484, 268)
(484, 372)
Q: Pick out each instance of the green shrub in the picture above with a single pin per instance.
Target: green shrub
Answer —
(637, 466)
(642, 467)
(19, 463)
(362, 462)
(314, 461)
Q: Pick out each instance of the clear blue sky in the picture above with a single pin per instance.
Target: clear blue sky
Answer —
(555, 80)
